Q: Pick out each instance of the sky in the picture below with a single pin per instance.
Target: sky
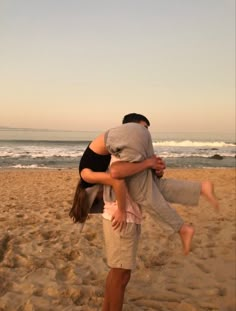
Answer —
(84, 64)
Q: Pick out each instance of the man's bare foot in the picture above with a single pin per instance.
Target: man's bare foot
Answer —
(186, 234)
(207, 190)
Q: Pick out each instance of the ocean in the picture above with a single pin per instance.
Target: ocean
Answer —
(29, 148)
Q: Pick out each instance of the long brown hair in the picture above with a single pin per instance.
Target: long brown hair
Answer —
(80, 206)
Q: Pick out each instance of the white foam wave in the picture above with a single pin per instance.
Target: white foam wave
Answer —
(189, 143)
(43, 153)
(193, 155)
(26, 166)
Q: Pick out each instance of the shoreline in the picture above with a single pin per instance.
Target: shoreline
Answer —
(76, 169)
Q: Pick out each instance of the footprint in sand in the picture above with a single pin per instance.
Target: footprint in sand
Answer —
(90, 236)
(234, 236)
(65, 274)
(160, 259)
(4, 241)
(47, 235)
(72, 255)
(4, 284)
(202, 267)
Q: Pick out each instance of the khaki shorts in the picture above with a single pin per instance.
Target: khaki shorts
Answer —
(121, 247)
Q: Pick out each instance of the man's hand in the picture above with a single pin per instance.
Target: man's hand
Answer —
(157, 164)
(118, 219)
(160, 167)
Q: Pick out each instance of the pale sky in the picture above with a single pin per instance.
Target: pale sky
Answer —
(83, 64)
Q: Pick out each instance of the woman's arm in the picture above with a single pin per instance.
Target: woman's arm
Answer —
(119, 187)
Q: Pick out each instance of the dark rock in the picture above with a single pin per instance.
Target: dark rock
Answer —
(217, 157)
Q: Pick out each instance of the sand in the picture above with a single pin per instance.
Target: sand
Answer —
(46, 264)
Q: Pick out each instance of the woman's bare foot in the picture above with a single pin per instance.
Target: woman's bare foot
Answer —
(207, 190)
(186, 234)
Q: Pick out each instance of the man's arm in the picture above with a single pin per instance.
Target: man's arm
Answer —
(122, 169)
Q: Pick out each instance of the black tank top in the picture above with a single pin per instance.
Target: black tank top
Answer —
(95, 162)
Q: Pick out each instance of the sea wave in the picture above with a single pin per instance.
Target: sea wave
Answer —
(68, 155)
(53, 154)
(31, 166)
(189, 143)
(195, 155)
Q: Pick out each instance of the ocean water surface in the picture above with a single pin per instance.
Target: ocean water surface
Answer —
(29, 148)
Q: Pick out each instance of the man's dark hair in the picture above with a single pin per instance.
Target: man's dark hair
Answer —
(135, 117)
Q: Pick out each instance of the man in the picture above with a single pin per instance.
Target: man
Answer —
(132, 142)
(121, 249)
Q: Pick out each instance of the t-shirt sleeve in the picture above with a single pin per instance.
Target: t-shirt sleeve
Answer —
(129, 142)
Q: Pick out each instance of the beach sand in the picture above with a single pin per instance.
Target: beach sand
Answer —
(46, 264)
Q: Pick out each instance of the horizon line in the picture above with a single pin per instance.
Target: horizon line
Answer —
(64, 130)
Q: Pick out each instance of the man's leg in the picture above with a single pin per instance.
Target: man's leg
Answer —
(121, 250)
(116, 283)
